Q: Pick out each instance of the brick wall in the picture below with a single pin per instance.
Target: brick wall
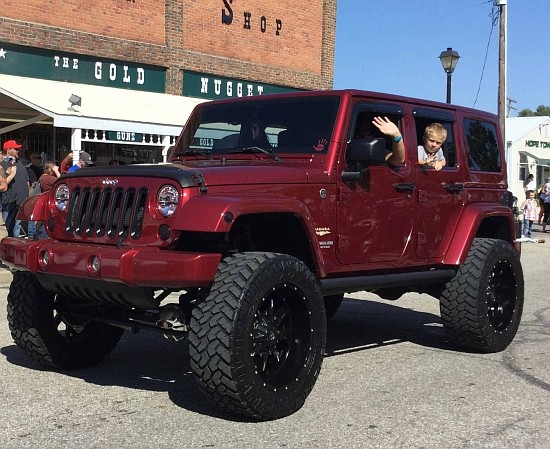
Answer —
(187, 35)
(139, 20)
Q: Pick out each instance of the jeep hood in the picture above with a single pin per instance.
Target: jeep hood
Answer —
(212, 172)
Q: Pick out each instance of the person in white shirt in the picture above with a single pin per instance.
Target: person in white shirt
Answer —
(529, 183)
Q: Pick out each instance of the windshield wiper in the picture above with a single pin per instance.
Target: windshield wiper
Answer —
(258, 150)
(194, 152)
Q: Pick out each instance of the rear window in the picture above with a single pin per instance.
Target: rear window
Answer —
(482, 145)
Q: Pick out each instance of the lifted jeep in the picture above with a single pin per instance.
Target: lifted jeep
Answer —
(268, 211)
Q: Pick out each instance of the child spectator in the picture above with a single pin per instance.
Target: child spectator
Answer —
(529, 208)
(430, 154)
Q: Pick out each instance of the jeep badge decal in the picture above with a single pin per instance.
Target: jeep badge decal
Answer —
(322, 231)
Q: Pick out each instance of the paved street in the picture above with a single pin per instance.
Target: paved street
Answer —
(390, 379)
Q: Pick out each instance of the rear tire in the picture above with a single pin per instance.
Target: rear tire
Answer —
(481, 306)
(257, 341)
(47, 335)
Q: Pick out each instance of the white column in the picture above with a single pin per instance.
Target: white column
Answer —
(165, 147)
(76, 144)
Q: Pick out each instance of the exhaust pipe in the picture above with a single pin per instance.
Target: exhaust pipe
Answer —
(172, 318)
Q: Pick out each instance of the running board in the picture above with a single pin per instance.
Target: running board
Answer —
(367, 283)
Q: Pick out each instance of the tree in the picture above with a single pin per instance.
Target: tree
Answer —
(541, 111)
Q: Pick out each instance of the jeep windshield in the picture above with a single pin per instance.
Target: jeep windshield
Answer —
(301, 126)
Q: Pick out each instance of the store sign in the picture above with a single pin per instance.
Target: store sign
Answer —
(61, 66)
(215, 87)
(249, 20)
(122, 136)
(537, 144)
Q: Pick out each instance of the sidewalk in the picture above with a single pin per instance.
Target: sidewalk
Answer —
(5, 276)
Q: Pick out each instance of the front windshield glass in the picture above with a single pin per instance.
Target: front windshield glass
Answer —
(283, 125)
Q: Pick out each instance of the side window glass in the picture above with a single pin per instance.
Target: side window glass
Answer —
(448, 147)
(363, 128)
(482, 144)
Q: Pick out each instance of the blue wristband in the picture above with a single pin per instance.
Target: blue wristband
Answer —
(398, 138)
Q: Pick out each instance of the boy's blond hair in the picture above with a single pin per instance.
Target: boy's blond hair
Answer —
(435, 129)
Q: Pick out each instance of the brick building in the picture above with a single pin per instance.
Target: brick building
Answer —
(133, 69)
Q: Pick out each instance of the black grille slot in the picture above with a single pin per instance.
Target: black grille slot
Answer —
(115, 212)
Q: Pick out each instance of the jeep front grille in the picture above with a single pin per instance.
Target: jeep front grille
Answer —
(96, 212)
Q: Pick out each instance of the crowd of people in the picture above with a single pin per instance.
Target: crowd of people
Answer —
(28, 173)
(19, 178)
(536, 206)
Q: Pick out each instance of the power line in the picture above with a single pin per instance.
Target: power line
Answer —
(494, 20)
(509, 106)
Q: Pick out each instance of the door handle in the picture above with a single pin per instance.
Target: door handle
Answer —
(404, 186)
(454, 188)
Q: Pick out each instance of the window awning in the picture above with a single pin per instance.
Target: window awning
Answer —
(104, 108)
(539, 160)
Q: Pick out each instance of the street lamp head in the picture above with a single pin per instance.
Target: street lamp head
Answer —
(449, 58)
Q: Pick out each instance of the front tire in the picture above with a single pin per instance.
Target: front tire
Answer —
(47, 334)
(481, 306)
(257, 341)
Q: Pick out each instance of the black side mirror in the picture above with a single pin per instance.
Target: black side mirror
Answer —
(363, 153)
(367, 152)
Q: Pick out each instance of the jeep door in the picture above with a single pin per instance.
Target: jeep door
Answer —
(440, 194)
(374, 214)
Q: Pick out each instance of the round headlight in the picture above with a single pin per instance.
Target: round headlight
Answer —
(167, 200)
(61, 196)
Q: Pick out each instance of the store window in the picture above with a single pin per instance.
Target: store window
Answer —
(522, 167)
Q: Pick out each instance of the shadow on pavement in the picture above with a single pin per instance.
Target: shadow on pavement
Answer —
(359, 325)
(149, 362)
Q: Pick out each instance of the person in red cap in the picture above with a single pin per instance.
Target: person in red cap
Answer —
(5, 179)
(18, 188)
(10, 145)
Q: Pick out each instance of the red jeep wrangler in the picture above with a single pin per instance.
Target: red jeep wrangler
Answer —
(270, 209)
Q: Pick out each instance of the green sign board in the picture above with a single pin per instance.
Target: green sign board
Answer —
(209, 86)
(123, 136)
(61, 66)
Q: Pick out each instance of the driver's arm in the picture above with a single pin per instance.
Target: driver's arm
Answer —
(388, 128)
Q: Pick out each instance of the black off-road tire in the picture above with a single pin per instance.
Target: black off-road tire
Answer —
(39, 328)
(481, 306)
(257, 341)
(332, 304)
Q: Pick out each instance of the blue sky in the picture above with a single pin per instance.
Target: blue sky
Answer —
(394, 47)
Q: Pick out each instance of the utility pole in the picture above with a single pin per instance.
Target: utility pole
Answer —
(502, 66)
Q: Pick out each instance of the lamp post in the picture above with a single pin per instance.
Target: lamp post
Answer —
(449, 59)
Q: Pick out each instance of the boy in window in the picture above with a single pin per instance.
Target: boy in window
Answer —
(430, 154)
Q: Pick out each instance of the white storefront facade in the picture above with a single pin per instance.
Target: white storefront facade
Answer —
(527, 151)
